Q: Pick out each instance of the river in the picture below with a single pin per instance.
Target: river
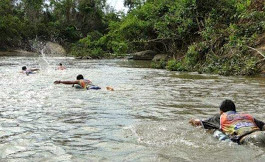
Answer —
(144, 119)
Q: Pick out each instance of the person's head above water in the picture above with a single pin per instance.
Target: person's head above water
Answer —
(61, 64)
(24, 68)
(227, 105)
(79, 77)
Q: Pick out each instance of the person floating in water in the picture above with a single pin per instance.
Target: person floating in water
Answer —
(27, 71)
(81, 83)
(241, 128)
(61, 67)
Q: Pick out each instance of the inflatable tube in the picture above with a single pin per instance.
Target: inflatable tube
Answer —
(220, 135)
(94, 87)
(77, 86)
(28, 72)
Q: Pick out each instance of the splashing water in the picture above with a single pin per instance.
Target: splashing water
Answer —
(40, 47)
(43, 62)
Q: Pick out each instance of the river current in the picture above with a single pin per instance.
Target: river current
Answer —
(145, 118)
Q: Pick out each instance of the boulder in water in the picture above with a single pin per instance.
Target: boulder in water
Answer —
(54, 49)
(144, 55)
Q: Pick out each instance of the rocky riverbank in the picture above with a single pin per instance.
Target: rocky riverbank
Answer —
(18, 53)
(49, 49)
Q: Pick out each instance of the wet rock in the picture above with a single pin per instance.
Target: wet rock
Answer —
(87, 57)
(144, 55)
(160, 57)
(54, 49)
(79, 57)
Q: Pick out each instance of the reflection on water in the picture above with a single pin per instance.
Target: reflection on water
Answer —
(144, 119)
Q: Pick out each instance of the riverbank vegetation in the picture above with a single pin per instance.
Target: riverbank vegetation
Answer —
(226, 37)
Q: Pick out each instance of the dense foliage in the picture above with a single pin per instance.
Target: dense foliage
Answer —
(199, 35)
(64, 21)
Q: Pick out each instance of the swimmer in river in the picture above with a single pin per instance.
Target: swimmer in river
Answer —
(241, 128)
(61, 67)
(81, 83)
(27, 71)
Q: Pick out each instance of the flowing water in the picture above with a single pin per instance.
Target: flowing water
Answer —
(144, 119)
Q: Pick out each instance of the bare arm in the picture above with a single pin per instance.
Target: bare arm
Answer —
(66, 82)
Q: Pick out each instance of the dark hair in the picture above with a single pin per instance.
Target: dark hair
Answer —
(79, 77)
(227, 105)
(61, 64)
(24, 68)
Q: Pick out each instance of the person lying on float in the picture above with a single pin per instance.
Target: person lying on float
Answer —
(241, 128)
(81, 83)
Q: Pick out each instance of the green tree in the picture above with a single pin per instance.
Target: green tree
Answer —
(10, 25)
(131, 4)
(33, 10)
